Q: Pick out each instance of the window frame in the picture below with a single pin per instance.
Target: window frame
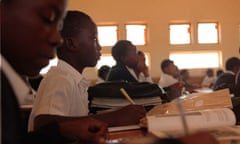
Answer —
(218, 32)
(145, 33)
(189, 31)
(106, 25)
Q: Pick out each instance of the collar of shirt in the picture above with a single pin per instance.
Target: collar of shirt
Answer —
(132, 72)
(22, 90)
(78, 76)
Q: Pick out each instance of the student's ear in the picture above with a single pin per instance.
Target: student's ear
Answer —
(71, 44)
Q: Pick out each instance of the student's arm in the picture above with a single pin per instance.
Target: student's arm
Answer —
(82, 129)
(127, 115)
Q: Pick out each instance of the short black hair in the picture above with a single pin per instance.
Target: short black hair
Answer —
(104, 69)
(120, 49)
(232, 62)
(165, 63)
(73, 21)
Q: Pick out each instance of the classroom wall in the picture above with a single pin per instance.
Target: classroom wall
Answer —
(157, 14)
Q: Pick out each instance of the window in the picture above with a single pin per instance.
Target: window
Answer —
(179, 33)
(106, 59)
(207, 33)
(136, 34)
(107, 35)
(200, 59)
(52, 62)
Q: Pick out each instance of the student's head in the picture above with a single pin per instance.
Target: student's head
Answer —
(233, 64)
(219, 72)
(141, 56)
(169, 67)
(80, 45)
(184, 74)
(30, 32)
(124, 52)
(210, 72)
(103, 71)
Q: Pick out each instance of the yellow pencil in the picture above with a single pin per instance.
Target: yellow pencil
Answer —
(127, 96)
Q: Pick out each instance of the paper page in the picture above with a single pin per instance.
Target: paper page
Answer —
(195, 120)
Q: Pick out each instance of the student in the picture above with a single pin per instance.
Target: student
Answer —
(184, 77)
(63, 91)
(209, 79)
(125, 55)
(169, 79)
(229, 78)
(37, 20)
(142, 70)
(29, 33)
(102, 73)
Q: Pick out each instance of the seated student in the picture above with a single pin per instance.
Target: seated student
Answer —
(142, 71)
(125, 55)
(24, 56)
(229, 78)
(169, 79)
(102, 73)
(184, 77)
(20, 56)
(63, 91)
(209, 79)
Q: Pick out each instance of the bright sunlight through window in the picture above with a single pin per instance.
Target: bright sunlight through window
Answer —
(107, 35)
(136, 34)
(197, 59)
(179, 33)
(106, 59)
(207, 33)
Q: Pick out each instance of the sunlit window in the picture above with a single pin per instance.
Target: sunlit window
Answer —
(52, 62)
(106, 59)
(136, 34)
(107, 35)
(179, 33)
(207, 33)
(197, 59)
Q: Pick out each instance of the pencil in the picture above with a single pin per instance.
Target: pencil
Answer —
(182, 115)
(127, 96)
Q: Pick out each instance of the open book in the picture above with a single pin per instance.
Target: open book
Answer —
(220, 122)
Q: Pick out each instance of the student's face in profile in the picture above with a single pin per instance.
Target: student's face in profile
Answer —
(131, 58)
(89, 48)
(30, 31)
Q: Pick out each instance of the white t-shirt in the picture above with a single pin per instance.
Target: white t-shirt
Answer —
(208, 81)
(166, 80)
(63, 91)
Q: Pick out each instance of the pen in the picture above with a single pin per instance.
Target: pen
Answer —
(182, 115)
(127, 96)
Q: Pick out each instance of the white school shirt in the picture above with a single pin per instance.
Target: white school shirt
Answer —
(63, 91)
(141, 77)
(23, 91)
(166, 80)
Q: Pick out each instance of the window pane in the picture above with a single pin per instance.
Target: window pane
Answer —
(179, 34)
(52, 62)
(136, 34)
(107, 35)
(106, 59)
(196, 60)
(207, 33)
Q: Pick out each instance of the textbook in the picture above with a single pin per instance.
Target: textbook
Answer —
(221, 122)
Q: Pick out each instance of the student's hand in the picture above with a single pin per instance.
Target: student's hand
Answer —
(199, 138)
(130, 114)
(84, 130)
